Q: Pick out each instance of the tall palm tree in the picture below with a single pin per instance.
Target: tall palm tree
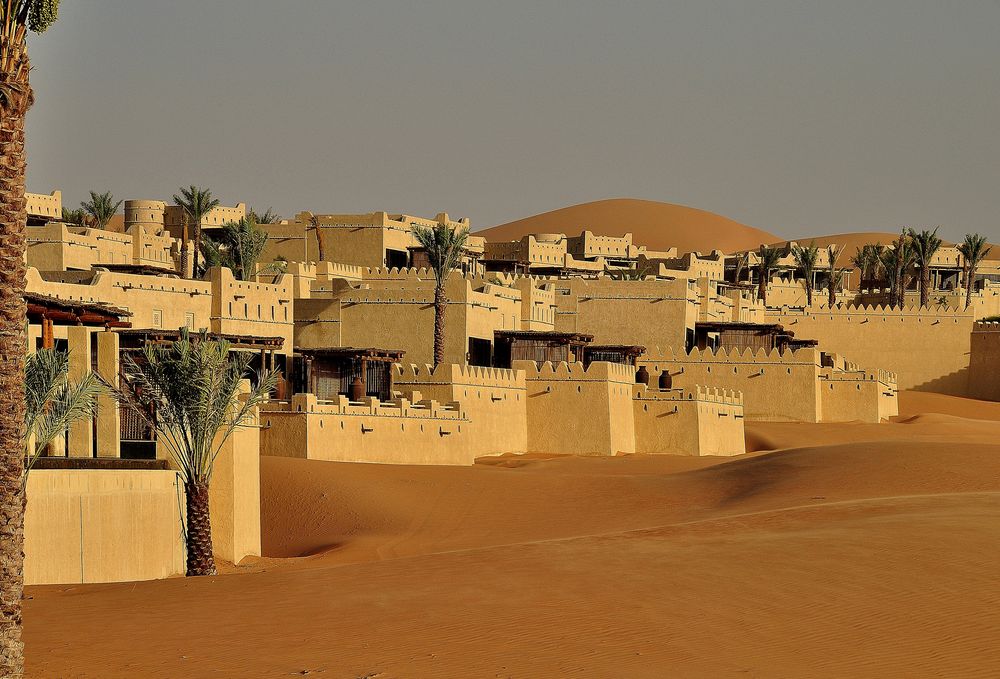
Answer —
(444, 245)
(925, 246)
(239, 246)
(189, 392)
(867, 259)
(890, 272)
(974, 250)
(196, 203)
(16, 18)
(100, 208)
(767, 259)
(52, 401)
(77, 217)
(320, 238)
(835, 275)
(805, 259)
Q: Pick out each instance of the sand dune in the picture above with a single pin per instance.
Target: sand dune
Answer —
(656, 225)
(848, 550)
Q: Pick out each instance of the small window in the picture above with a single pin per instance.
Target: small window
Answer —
(157, 318)
(189, 320)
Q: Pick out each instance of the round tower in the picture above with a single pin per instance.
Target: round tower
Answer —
(145, 213)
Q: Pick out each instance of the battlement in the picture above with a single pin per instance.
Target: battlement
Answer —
(698, 393)
(803, 356)
(342, 406)
(920, 314)
(458, 375)
(563, 371)
(986, 326)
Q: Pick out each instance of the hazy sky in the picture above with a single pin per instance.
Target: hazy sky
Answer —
(792, 116)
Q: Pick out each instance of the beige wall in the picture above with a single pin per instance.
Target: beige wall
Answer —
(42, 205)
(791, 387)
(984, 369)
(494, 401)
(396, 432)
(579, 412)
(58, 247)
(927, 349)
(396, 311)
(102, 526)
(234, 494)
(702, 421)
(649, 312)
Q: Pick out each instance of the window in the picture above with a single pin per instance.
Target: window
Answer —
(189, 320)
(157, 318)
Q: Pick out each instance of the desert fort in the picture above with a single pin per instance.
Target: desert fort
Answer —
(616, 437)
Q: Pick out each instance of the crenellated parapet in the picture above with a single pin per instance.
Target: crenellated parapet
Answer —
(457, 375)
(567, 372)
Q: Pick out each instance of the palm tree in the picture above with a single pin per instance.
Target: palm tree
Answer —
(890, 273)
(77, 217)
(100, 208)
(53, 403)
(767, 260)
(196, 203)
(974, 250)
(265, 217)
(632, 273)
(320, 238)
(925, 246)
(16, 18)
(835, 275)
(239, 247)
(189, 392)
(444, 245)
(805, 259)
(867, 259)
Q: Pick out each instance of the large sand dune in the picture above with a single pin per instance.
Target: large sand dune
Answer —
(843, 550)
(656, 225)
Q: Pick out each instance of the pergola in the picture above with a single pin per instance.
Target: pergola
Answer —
(328, 372)
(742, 336)
(625, 354)
(538, 346)
(49, 311)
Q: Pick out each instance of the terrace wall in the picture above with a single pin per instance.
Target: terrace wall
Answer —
(102, 526)
(927, 349)
(701, 421)
(984, 368)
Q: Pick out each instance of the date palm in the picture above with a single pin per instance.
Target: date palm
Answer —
(100, 208)
(868, 261)
(835, 275)
(17, 17)
(268, 216)
(925, 246)
(189, 392)
(239, 246)
(767, 259)
(444, 245)
(806, 259)
(77, 217)
(52, 401)
(196, 203)
(974, 250)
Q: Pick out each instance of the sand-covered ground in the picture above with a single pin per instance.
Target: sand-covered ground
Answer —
(846, 550)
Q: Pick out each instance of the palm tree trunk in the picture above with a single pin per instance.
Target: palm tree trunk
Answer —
(925, 285)
(762, 288)
(185, 255)
(832, 292)
(13, 221)
(200, 559)
(969, 277)
(197, 248)
(440, 305)
(320, 243)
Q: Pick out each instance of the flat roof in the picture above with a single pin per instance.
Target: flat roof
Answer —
(239, 341)
(543, 335)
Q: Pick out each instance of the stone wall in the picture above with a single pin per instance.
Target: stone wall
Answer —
(984, 368)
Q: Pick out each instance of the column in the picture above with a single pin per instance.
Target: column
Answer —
(108, 417)
(81, 434)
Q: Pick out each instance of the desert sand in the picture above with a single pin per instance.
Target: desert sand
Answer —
(656, 225)
(840, 550)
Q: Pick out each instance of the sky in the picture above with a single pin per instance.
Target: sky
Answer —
(798, 117)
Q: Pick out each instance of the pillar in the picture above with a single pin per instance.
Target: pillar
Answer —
(234, 493)
(81, 434)
(108, 417)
